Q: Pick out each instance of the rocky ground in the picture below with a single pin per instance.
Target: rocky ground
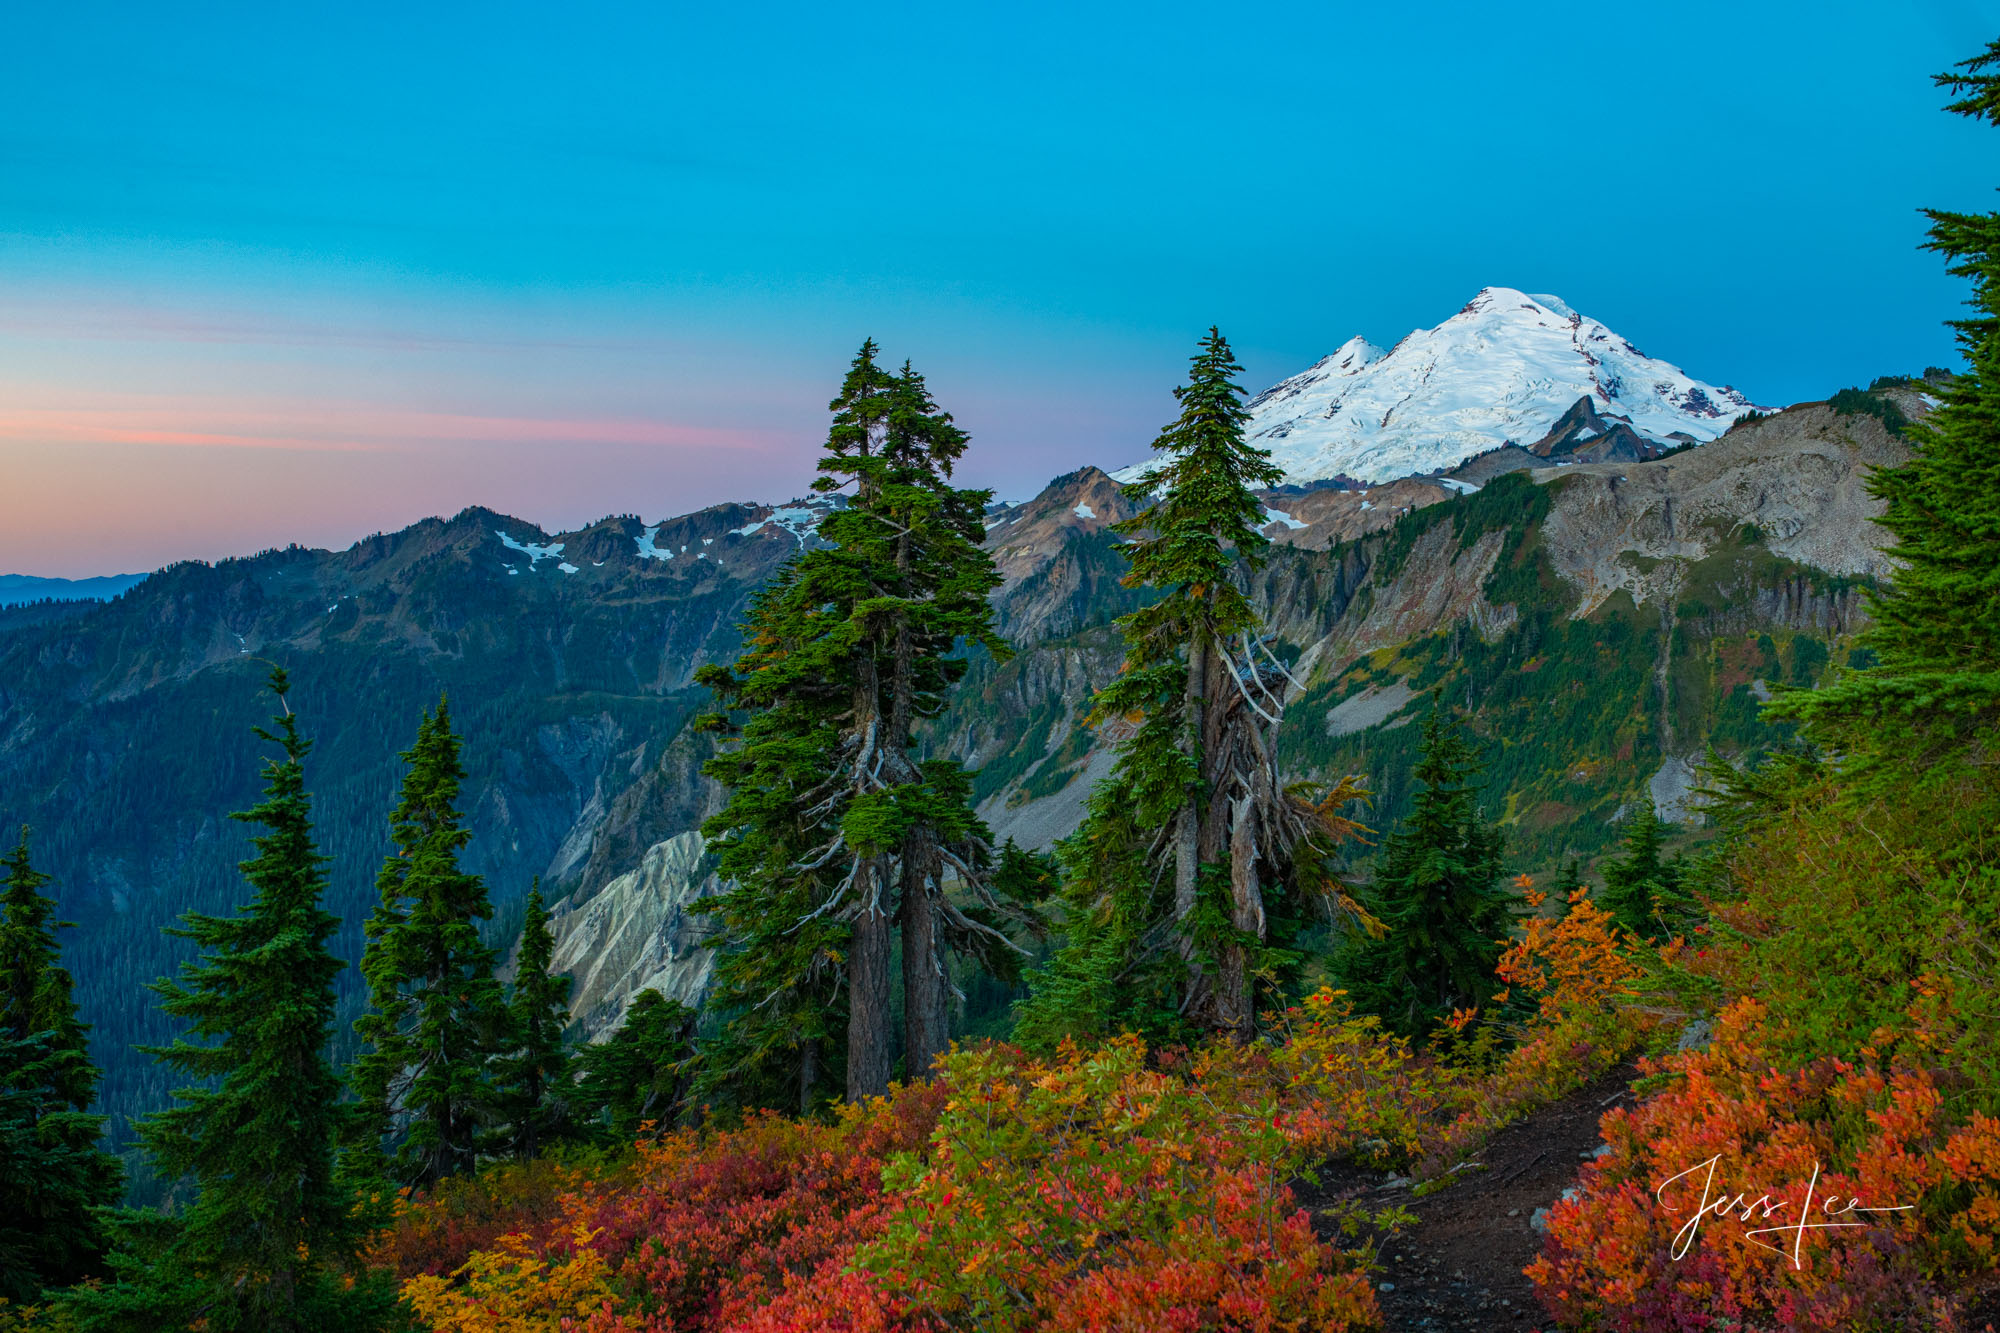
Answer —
(1460, 1266)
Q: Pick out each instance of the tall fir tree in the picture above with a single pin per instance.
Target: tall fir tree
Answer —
(269, 1227)
(533, 1092)
(1438, 893)
(779, 969)
(858, 644)
(1196, 861)
(53, 1174)
(437, 1017)
(1935, 628)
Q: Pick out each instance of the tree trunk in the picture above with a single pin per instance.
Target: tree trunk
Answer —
(808, 1075)
(926, 981)
(868, 1020)
(1235, 1003)
(1187, 831)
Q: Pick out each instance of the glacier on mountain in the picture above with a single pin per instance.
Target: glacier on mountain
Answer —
(1502, 370)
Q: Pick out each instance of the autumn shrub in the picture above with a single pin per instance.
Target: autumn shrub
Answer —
(34, 1318)
(1904, 1204)
(1839, 893)
(1372, 1091)
(518, 1286)
(1096, 1191)
(1576, 975)
(719, 1230)
(435, 1232)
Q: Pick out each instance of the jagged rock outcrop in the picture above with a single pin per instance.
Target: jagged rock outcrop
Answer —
(1323, 517)
(1441, 583)
(1585, 435)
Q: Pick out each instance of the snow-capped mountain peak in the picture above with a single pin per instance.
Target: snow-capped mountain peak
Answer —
(1504, 369)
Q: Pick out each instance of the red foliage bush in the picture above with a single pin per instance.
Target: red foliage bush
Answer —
(745, 1228)
(1903, 1199)
(436, 1232)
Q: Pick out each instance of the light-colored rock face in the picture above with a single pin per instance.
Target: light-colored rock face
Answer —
(638, 932)
(1036, 824)
(1373, 707)
(1800, 477)
(1438, 585)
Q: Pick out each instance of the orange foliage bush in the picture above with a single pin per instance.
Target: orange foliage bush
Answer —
(1094, 1192)
(435, 1233)
(1579, 970)
(1904, 1200)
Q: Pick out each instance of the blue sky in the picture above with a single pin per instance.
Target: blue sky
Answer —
(270, 273)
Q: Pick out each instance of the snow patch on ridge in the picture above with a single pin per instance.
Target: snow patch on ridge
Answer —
(647, 549)
(800, 521)
(536, 554)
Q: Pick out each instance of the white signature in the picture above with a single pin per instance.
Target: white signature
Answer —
(1762, 1207)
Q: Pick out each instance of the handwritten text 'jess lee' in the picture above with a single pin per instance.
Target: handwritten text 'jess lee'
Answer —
(1744, 1208)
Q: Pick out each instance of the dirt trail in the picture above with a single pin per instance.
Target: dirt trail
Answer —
(1460, 1266)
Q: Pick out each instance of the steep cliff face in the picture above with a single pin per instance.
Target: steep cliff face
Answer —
(1441, 583)
(1601, 626)
(640, 931)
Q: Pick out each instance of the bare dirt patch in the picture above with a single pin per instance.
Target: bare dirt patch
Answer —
(1460, 1266)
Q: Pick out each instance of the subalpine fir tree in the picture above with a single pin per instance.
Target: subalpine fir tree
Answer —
(777, 984)
(1640, 888)
(1439, 894)
(1936, 624)
(635, 1076)
(436, 1016)
(256, 1131)
(53, 1175)
(858, 644)
(533, 1093)
(1196, 863)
